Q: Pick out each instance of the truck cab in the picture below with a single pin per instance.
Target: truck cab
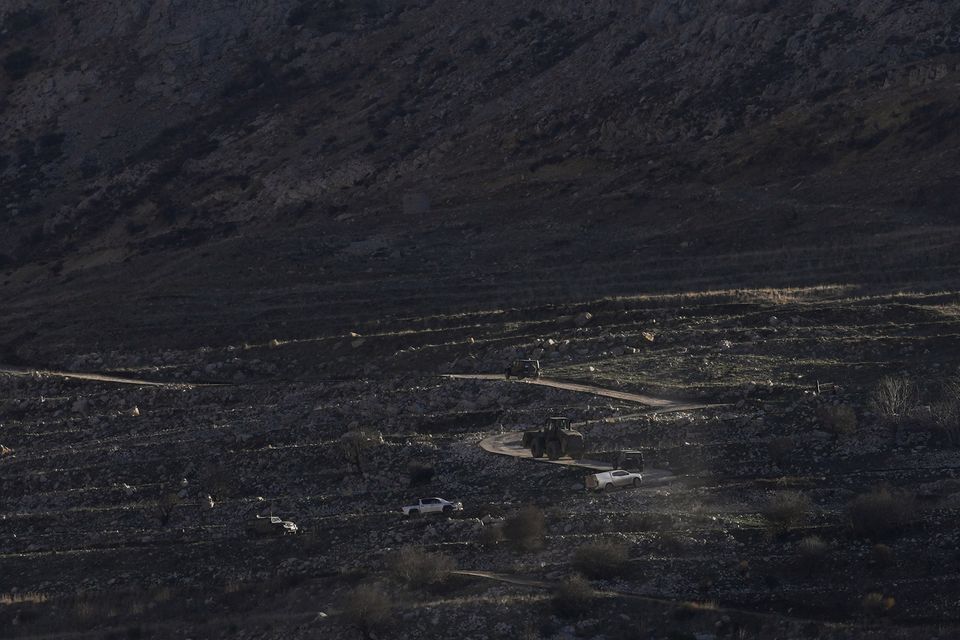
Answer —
(523, 369)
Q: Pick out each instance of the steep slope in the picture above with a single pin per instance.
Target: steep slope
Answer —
(181, 173)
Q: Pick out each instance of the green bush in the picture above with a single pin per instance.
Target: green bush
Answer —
(601, 559)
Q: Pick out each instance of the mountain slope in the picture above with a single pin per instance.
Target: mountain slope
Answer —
(240, 165)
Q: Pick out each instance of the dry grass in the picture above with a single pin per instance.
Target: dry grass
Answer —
(787, 509)
(574, 598)
(28, 597)
(838, 419)
(417, 568)
(813, 552)
(367, 607)
(876, 604)
(780, 449)
(526, 529)
(880, 512)
(601, 559)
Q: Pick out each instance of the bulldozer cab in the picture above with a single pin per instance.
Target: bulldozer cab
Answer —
(557, 424)
(524, 369)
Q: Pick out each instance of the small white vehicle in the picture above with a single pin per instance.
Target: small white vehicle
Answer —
(432, 505)
(270, 526)
(609, 479)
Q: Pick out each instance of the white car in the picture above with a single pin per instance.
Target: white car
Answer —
(610, 479)
(270, 526)
(432, 505)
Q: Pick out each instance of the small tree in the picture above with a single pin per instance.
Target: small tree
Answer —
(894, 399)
(945, 414)
(165, 506)
(356, 442)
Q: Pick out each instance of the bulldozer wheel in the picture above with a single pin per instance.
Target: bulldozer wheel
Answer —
(536, 449)
(553, 451)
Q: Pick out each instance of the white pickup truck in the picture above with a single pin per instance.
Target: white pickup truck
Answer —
(432, 505)
(610, 479)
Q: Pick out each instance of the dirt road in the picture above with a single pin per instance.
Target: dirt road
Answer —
(661, 405)
(509, 444)
(95, 377)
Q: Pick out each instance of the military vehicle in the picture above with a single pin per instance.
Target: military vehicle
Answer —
(555, 440)
(523, 369)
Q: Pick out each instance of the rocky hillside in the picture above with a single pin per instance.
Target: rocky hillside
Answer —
(250, 169)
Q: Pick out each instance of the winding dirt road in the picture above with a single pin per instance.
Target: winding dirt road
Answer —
(510, 444)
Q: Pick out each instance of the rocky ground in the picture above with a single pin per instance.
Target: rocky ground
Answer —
(272, 227)
(124, 506)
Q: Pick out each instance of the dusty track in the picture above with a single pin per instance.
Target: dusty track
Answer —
(509, 444)
(662, 405)
(94, 377)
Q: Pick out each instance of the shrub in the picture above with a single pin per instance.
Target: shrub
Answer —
(876, 604)
(882, 556)
(880, 512)
(574, 597)
(367, 607)
(787, 509)
(418, 569)
(421, 473)
(525, 529)
(894, 399)
(840, 419)
(780, 449)
(945, 415)
(813, 552)
(601, 559)
(165, 506)
(18, 64)
(491, 536)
